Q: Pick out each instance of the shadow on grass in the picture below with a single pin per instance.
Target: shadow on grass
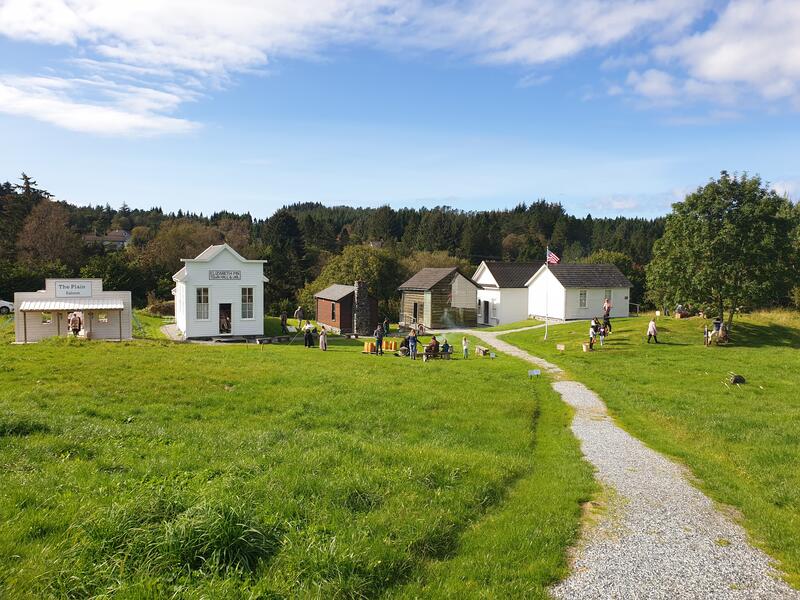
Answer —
(752, 335)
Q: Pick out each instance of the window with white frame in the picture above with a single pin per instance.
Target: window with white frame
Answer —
(47, 318)
(608, 294)
(202, 304)
(102, 317)
(582, 299)
(333, 311)
(494, 309)
(247, 303)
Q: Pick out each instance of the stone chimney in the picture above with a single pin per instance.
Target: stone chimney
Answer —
(362, 318)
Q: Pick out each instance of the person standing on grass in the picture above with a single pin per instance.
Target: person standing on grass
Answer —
(592, 334)
(284, 319)
(308, 335)
(379, 340)
(412, 344)
(323, 339)
(607, 306)
(601, 332)
(299, 314)
(465, 346)
(386, 326)
(652, 330)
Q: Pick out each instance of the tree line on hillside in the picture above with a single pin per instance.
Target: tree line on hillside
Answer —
(307, 246)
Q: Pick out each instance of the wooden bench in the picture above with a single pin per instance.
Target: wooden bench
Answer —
(434, 355)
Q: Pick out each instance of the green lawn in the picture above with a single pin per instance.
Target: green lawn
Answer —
(517, 325)
(149, 469)
(151, 326)
(741, 442)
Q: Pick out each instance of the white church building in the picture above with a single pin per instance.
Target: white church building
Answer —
(219, 293)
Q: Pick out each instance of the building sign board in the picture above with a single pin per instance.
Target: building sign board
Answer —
(73, 289)
(223, 275)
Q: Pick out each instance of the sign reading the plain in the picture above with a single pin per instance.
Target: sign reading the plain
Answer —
(217, 275)
(73, 289)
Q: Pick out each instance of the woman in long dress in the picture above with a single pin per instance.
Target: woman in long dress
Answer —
(323, 339)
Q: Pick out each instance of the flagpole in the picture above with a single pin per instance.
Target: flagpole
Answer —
(546, 291)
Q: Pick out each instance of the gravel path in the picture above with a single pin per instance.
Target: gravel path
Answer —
(657, 536)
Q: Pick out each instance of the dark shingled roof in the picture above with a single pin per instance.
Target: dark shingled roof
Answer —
(427, 278)
(335, 292)
(589, 276)
(512, 274)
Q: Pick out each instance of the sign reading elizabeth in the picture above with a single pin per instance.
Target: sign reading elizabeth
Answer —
(73, 289)
(215, 275)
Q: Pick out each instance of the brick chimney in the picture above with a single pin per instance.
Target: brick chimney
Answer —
(362, 324)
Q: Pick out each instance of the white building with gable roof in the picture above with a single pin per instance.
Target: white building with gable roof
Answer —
(220, 293)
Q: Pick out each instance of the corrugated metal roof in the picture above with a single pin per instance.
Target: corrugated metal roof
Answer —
(71, 304)
(335, 292)
(512, 274)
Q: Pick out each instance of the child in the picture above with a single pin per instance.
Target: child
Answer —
(592, 334)
(602, 333)
(412, 344)
(323, 339)
(652, 331)
(465, 346)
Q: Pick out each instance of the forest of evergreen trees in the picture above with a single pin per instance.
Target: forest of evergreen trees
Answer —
(42, 237)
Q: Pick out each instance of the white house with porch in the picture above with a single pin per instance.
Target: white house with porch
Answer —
(502, 295)
(104, 315)
(566, 292)
(220, 293)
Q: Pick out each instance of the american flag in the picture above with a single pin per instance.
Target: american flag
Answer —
(552, 258)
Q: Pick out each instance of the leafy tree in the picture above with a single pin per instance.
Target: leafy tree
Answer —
(19, 277)
(46, 236)
(119, 272)
(420, 259)
(285, 254)
(725, 246)
(176, 240)
(377, 267)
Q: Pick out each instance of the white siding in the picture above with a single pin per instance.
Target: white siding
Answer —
(594, 303)
(546, 296)
(507, 305)
(220, 292)
(29, 325)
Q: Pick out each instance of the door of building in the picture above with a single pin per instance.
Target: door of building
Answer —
(224, 318)
(415, 314)
(486, 311)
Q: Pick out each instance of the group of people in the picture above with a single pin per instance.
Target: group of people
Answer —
(598, 330)
(308, 336)
(410, 344)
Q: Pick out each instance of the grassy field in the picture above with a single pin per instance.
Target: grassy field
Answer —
(517, 325)
(741, 442)
(149, 469)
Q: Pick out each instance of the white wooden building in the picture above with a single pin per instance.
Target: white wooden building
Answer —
(567, 292)
(503, 296)
(105, 315)
(219, 293)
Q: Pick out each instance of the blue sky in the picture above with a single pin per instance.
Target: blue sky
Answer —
(609, 107)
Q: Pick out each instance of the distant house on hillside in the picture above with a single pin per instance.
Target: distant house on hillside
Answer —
(439, 298)
(116, 239)
(347, 308)
(219, 293)
(576, 291)
(503, 296)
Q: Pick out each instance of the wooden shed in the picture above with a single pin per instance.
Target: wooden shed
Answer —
(336, 308)
(439, 298)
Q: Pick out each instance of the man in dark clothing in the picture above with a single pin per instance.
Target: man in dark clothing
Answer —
(379, 339)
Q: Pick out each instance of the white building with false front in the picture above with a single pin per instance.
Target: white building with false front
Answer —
(503, 297)
(219, 293)
(567, 292)
(105, 315)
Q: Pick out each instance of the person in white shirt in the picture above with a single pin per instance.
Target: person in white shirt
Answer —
(652, 331)
(465, 346)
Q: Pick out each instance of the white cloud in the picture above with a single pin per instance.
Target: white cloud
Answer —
(752, 47)
(788, 187)
(653, 84)
(532, 80)
(113, 109)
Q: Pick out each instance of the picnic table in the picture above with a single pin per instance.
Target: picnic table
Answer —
(428, 355)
